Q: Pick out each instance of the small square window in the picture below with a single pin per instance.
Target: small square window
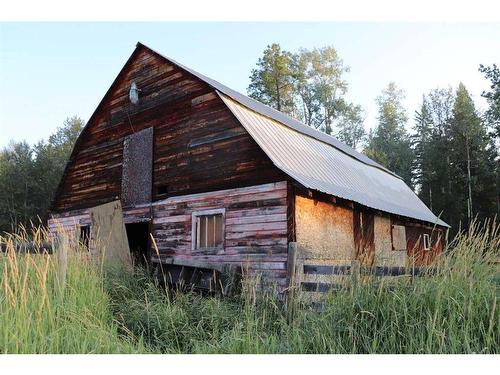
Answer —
(427, 242)
(208, 230)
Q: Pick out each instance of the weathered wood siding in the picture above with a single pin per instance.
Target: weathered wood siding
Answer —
(415, 247)
(255, 228)
(364, 237)
(198, 144)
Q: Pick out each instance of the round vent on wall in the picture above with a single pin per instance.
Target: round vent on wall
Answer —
(134, 93)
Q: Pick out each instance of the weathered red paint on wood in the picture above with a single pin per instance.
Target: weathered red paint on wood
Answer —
(364, 235)
(415, 244)
(198, 144)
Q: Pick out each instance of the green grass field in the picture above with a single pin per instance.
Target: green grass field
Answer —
(66, 304)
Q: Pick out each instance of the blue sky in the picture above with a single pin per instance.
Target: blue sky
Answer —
(49, 71)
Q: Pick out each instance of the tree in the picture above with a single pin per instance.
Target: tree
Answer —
(308, 85)
(390, 143)
(16, 185)
(29, 175)
(431, 166)
(472, 160)
(320, 86)
(350, 126)
(271, 82)
(492, 114)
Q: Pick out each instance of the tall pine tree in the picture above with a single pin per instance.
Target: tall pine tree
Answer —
(390, 143)
(472, 162)
(431, 167)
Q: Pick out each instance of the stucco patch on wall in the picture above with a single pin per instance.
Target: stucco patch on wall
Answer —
(384, 255)
(324, 230)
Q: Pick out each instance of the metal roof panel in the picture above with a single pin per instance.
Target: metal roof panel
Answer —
(319, 166)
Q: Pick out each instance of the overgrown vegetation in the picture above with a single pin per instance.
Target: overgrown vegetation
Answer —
(46, 307)
(52, 304)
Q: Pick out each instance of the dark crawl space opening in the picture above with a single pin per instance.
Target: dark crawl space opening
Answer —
(138, 242)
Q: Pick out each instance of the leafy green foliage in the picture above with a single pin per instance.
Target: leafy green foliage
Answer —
(271, 81)
(308, 85)
(29, 175)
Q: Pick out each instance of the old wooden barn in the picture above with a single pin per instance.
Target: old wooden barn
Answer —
(214, 178)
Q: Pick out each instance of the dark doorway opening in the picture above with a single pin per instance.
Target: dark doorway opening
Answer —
(138, 242)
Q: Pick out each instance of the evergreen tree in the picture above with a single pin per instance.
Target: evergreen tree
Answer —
(493, 96)
(472, 161)
(432, 157)
(390, 143)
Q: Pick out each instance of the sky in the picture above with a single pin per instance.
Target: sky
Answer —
(51, 71)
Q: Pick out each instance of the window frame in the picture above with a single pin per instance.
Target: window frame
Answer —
(194, 229)
(426, 244)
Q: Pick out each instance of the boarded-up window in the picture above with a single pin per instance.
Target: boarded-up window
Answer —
(208, 229)
(137, 167)
(363, 228)
(399, 238)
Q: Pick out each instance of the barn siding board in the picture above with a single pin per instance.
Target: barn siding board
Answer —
(364, 241)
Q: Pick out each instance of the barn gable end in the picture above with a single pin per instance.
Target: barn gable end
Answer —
(198, 145)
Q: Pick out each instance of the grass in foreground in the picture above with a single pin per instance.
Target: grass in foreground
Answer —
(56, 304)
(455, 311)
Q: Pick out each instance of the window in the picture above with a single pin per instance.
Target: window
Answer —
(84, 238)
(427, 242)
(208, 229)
(398, 237)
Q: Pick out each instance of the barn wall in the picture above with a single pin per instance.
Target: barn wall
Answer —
(71, 221)
(324, 230)
(384, 253)
(255, 228)
(415, 247)
(198, 145)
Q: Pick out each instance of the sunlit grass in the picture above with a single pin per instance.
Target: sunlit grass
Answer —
(49, 307)
(55, 304)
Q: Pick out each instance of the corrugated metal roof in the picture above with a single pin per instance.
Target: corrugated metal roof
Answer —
(276, 115)
(319, 166)
(317, 160)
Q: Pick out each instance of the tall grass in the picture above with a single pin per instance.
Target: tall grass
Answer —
(55, 304)
(453, 311)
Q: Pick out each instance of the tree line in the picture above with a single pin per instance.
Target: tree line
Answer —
(450, 157)
(29, 175)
